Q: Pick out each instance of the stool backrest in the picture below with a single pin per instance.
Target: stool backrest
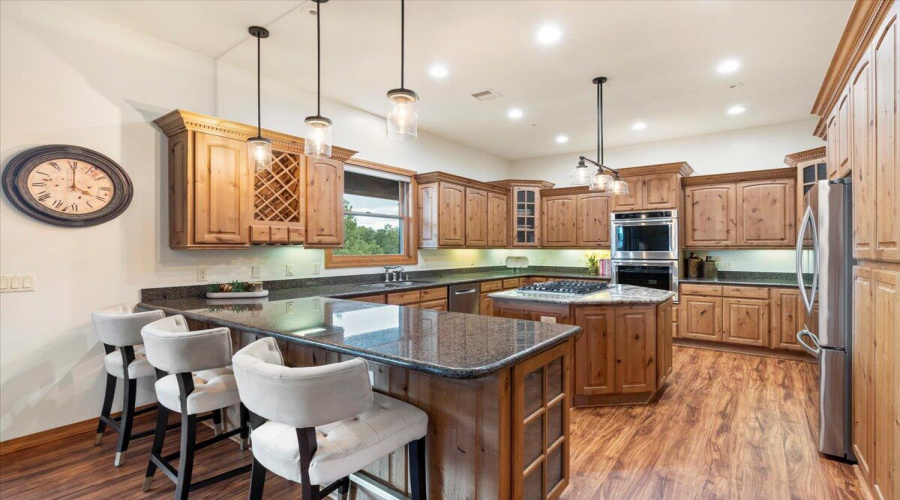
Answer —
(300, 397)
(120, 326)
(172, 348)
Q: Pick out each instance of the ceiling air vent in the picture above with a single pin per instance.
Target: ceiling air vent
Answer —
(486, 95)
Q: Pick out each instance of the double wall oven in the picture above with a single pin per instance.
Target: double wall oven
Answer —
(644, 249)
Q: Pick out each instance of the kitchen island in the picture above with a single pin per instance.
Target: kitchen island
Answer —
(624, 355)
(496, 390)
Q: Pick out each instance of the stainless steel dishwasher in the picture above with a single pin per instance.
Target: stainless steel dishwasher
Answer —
(465, 298)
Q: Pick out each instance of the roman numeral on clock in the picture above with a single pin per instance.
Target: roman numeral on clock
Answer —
(43, 196)
(39, 184)
(55, 165)
(100, 198)
(73, 164)
(57, 204)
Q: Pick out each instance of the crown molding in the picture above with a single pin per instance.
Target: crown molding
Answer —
(566, 191)
(804, 156)
(511, 183)
(181, 120)
(680, 167)
(429, 177)
(753, 175)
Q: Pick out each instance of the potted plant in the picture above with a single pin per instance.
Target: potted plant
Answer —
(593, 263)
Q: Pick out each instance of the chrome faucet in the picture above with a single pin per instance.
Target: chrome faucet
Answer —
(392, 273)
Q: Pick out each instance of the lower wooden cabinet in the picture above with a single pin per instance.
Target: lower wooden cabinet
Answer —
(745, 321)
(702, 317)
(595, 351)
(789, 317)
(636, 349)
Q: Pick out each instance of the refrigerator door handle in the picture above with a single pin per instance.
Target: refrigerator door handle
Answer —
(808, 221)
(810, 349)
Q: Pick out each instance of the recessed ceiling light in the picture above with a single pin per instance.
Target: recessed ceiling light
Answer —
(728, 66)
(639, 126)
(562, 139)
(438, 71)
(736, 109)
(515, 113)
(549, 34)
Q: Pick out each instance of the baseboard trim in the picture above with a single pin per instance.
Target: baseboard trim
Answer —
(744, 349)
(48, 436)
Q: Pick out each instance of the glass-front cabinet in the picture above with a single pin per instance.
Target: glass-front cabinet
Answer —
(526, 209)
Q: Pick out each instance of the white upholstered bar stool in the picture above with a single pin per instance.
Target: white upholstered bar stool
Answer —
(193, 378)
(324, 422)
(119, 329)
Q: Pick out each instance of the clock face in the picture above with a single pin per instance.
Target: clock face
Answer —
(70, 186)
(67, 185)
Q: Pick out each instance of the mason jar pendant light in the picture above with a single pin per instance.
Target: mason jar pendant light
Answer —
(318, 128)
(402, 103)
(260, 148)
(598, 181)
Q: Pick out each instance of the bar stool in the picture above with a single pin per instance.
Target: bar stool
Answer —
(119, 329)
(324, 422)
(193, 377)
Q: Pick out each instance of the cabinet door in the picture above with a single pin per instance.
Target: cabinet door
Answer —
(635, 349)
(592, 228)
(487, 305)
(886, 314)
(843, 128)
(702, 317)
(595, 357)
(451, 215)
(221, 190)
(710, 215)
(862, 147)
(788, 318)
(745, 321)
(766, 213)
(526, 212)
(664, 321)
(558, 221)
(832, 146)
(863, 372)
(660, 191)
(428, 215)
(887, 177)
(476, 217)
(631, 201)
(325, 202)
(498, 220)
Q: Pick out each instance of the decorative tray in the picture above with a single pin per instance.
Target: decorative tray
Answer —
(237, 295)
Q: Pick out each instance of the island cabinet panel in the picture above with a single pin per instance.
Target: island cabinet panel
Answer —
(710, 215)
(702, 317)
(325, 203)
(665, 315)
(476, 217)
(766, 213)
(592, 220)
(221, 187)
(498, 220)
(595, 353)
(559, 221)
(745, 321)
(635, 349)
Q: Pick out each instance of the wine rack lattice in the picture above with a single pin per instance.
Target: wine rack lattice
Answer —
(275, 197)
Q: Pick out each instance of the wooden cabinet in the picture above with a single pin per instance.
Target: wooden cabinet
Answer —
(591, 220)
(885, 186)
(221, 187)
(635, 349)
(498, 220)
(745, 321)
(766, 213)
(788, 317)
(862, 151)
(863, 373)
(558, 220)
(451, 216)
(476, 217)
(431, 298)
(648, 192)
(595, 353)
(325, 203)
(702, 317)
(843, 129)
(746, 210)
(811, 168)
(632, 201)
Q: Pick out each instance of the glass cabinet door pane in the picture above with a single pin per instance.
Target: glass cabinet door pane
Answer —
(530, 196)
(809, 174)
(823, 171)
(520, 196)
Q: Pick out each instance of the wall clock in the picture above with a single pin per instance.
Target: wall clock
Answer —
(67, 185)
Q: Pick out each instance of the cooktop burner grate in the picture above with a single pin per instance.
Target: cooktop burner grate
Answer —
(570, 287)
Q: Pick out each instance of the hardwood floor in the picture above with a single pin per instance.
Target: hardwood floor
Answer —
(729, 426)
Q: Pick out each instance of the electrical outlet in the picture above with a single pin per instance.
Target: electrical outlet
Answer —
(201, 274)
(255, 272)
(289, 270)
(725, 265)
(317, 268)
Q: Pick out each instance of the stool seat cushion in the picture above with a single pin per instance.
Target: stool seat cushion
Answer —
(344, 447)
(138, 368)
(213, 389)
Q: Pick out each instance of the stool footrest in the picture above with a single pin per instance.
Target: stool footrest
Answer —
(221, 477)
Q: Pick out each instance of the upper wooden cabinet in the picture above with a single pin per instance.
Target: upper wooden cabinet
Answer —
(744, 210)
(651, 187)
(574, 218)
(811, 168)
(216, 200)
(843, 141)
(558, 220)
(591, 220)
(524, 211)
(458, 212)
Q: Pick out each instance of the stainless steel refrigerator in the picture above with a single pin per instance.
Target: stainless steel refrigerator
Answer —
(825, 271)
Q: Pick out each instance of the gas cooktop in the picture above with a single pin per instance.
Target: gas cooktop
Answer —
(570, 287)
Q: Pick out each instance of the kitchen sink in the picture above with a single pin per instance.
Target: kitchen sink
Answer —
(392, 284)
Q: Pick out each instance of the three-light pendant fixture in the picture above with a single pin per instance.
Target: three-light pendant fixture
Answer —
(597, 180)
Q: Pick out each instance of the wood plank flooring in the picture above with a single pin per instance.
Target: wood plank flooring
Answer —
(728, 426)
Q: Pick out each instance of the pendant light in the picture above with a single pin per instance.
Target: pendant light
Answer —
(598, 181)
(318, 128)
(260, 148)
(402, 103)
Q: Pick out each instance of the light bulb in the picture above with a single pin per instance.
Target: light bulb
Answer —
(402, 115)
(580, 176)
(260, 150)
(619, 187)
(601, 183)
(318, 137)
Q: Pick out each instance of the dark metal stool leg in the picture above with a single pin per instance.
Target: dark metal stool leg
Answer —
(245, 426)
(257, 481)
(162, 423)
(217, 422)
(130, 391)
(344, 489)
(416, 451)
(186, 460)
(107, 407)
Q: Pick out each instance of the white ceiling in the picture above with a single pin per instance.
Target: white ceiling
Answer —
(660, 57)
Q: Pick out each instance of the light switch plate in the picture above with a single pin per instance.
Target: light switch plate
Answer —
(17, 283)
(317, 268)
(255, 272)
(288, 269)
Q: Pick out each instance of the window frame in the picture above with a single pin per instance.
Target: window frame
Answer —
(409, 227)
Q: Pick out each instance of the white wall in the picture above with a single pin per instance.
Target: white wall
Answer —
(72, 79)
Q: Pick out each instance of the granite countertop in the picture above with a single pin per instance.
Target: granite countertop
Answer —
(446, 344)
(788, 280)
(614, 295)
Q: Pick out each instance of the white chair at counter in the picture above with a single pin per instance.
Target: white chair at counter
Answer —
(119, 329)
(324, 422)
(194, 378)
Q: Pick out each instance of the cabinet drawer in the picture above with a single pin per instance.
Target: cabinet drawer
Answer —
(746, 292)
(691, 289)
(377, 299)
(491, 286)
(295, 235)
(278, 234)
(512, 283)
(437, 305)
(434, 294)
(259, 234)
(404, 298)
